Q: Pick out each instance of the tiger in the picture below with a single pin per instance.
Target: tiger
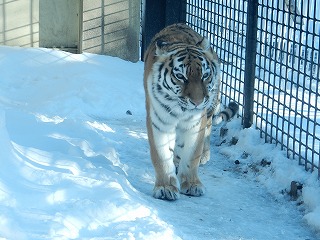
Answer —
(182, 89)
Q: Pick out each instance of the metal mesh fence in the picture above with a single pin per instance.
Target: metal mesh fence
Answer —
(225, 27)
(286, 100)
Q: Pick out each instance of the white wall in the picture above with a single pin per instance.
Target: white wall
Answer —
(19, 23)
(119, 35)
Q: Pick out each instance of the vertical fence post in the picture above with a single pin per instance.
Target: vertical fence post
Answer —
(250, 62)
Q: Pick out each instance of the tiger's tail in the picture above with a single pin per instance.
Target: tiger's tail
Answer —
(227, 114)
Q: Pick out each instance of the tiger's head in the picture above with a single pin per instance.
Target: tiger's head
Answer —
(188, 74)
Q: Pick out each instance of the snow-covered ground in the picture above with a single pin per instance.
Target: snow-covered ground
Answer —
(74, 162)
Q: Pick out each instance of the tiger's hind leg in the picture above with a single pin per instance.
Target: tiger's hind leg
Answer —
(191, 147)
(205, 157)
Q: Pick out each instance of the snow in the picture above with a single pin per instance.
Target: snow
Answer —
(75, 164)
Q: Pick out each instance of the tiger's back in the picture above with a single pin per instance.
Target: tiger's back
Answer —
(182, 86)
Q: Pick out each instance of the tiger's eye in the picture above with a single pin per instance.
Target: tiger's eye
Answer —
(179, 76)
(206, 75)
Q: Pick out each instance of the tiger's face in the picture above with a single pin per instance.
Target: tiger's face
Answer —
(189, 76)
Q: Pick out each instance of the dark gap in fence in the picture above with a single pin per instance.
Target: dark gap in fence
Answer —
(157, 15)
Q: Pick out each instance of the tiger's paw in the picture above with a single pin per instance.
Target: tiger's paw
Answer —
(168, 191)
(192, 189)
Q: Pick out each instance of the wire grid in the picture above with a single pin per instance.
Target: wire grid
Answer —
(286, 99)
(223, 23)
(287, 102)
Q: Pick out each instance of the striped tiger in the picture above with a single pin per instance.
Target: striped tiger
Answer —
(182, 88)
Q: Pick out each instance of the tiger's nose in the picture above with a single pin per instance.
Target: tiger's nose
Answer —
(197, 102)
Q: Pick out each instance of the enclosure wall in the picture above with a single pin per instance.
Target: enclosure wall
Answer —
(97, 26)
(19, 23)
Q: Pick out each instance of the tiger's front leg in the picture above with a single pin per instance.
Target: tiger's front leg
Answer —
(189, 150)
(161, 147)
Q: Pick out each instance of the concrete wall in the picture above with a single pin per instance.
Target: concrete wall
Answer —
(110, 27)
(19, 23)
(59, 24)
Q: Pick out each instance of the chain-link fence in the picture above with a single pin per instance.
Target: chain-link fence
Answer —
(285, 88)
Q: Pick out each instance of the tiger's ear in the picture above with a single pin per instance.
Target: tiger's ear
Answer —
(162, 48)
(204, 44)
